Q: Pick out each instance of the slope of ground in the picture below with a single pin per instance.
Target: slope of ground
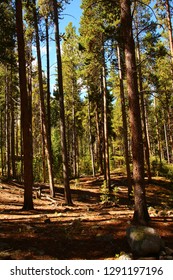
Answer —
(93, 228)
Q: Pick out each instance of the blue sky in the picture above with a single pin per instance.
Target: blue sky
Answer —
(72, 13)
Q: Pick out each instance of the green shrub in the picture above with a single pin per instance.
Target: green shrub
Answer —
(162, 169)
(106, 196)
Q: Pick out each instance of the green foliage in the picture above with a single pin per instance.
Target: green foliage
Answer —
(162, 169)
(104, 193)
(37, 168)
(106, 196)
(7, 32)
(57, 155)
(85, 164)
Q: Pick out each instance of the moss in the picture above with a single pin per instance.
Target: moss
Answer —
(138, 234)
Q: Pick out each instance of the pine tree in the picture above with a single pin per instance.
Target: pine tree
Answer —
(60, 96)
(71, 60)
(25, 116)
(43, 110)
(141, 215)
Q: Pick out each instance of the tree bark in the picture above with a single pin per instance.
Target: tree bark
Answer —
(43, 111)
(166, 143)
(141, 215)
(67, 191)
(25, 119)
(7, 124)
(99, 146)
(48, 82)
(125, 130)
(143, 111)
(74, 139)
(12, 130)
(169, 28)
(90, 137)
(105, 119)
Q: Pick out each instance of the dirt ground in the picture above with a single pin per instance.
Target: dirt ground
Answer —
(93, 228)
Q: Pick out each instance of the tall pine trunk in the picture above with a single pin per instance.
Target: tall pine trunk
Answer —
(99, 146)
(169, 29)
(43, 110)
(25, 115)
(169, 23)
(12, 131)
(48, 82)
(7, 125)
(105, 122)
(141, 215)
(143, 111)
(125, 130)
(90, 137)
(67, 191)
(74, 140)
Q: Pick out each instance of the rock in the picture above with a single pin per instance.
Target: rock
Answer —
(166, 258)
(144, 241)
(125, 256)
(170, 213)
(162, 213)
(162, 253)
(168, 251)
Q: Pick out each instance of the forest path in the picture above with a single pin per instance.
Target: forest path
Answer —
(93, 228)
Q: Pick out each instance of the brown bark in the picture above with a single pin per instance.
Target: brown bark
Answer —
(25, 120)
(99, 148)
(12, 130)
(2, 143)
(105, 121)
(7, 124)
(67, 191)
(48, 82)
(43, 111)
(141, 215)
(90, 137)
(74, 140)
(169, 23)
(143, 111)
(125, 129)
(169, 28)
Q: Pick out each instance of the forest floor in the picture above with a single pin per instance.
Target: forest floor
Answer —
(93, 228)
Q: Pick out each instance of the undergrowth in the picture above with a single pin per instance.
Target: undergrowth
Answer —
(162, 169)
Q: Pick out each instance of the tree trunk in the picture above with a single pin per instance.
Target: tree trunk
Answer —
(68, 199)
(90, 137)
(141, 215)
(125, 130)
(106, 144)
(43, 111)
(74, 140)
(99, 148)
(2, 144)
(25, 116)
(7, 125)
(143, 111)
(166, 143)
(168, 10)
(12, 134)
(48, 83)
(43, 150)
(169, 28)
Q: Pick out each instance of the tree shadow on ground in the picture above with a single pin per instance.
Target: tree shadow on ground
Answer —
(87, 230)
(63, 241)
